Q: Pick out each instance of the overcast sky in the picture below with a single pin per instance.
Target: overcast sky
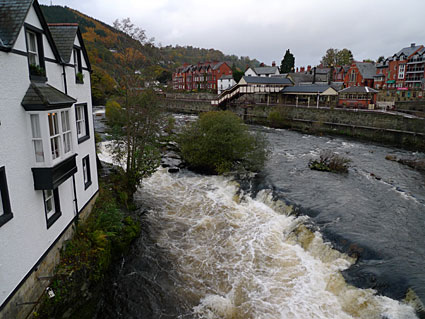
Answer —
(264, 29)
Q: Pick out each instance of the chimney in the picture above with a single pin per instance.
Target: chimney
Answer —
(274, 63)
(412, 45)
(308, 68)
(261, 64)
(297, 70)
(302, 69)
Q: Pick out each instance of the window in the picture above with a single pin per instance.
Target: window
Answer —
(78, 67)
(66, 130)
(86, 172)
(59, 135)
(54, 135)
(36, 138)
(33, 56)
(81, 117)
(5, 210)
(51, 206)
(34, 41)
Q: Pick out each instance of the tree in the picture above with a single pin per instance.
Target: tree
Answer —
(344, 57)
(335, 57)
(219, 141)
(135, 126)
(380, 59)
(288, 62)
(237, 73)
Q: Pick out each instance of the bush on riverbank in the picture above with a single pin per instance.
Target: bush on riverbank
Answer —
(85, 259)
(219, 142)
(330, 162)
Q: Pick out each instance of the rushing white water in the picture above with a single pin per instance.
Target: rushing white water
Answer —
(248, 258)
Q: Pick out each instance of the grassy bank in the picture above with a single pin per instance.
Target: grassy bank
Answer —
(85, 259)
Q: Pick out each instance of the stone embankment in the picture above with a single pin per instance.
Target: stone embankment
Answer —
(377, 126)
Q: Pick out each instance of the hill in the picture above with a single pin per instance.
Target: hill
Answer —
(160, 62)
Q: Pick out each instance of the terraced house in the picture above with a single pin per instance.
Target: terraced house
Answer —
(201, 76)
(47, 150)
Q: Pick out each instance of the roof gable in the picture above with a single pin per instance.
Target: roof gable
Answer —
(12, 17)
(64, 37)
(15, 12)
(366, 69)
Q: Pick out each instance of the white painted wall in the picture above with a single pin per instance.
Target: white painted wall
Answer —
(250, 72)
(25, 238)
(223, 84)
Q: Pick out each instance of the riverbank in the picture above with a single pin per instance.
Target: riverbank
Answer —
(85, 259)
(376, 126)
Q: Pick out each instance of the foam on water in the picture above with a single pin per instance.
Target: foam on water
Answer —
(249, 258)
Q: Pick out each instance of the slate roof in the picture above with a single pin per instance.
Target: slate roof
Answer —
(312, 88)
(64, 36)
(12, 17)
(265, 70)
(300, 78)
(226, 77)
(366, 69)
(266, 80)
(358, 89)
(41, 96)
(407, 51)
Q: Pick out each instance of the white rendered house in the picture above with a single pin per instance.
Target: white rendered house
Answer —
(263, 71)
(48, 174)
(224, 83)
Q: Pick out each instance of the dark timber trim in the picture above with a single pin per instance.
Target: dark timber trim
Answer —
(52, 177)
(5, 199)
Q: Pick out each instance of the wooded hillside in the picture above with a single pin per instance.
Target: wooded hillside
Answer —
(160, 62)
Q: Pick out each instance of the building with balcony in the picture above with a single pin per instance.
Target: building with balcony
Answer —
(400, 77)
(48, 169)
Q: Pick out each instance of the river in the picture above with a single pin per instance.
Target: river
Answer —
(282, 246)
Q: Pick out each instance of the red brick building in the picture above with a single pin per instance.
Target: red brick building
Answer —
(402, 76)
(359, 97)
(339, 73)
(201, 76)
(360, 74)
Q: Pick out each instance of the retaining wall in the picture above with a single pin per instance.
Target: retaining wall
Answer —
(369, 125)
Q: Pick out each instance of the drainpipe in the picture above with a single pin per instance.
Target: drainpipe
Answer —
(314, 75)
(64, 78)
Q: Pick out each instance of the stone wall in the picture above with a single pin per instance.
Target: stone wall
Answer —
(369, 125)
(191, 96)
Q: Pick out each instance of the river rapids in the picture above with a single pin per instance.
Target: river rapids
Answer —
(231, 256)
(212, 248)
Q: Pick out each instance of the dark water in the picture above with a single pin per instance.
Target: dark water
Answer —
(376, 211)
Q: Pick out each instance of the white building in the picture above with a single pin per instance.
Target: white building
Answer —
(263, 71)
(47, 150)
(224, 83)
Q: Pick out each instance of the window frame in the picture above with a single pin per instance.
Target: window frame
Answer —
(6, 214)
(40, 51)
(57, 210)
(78, 64)
(86, 172)
(86, 136)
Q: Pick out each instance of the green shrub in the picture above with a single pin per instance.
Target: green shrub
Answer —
(276, 118)
(85, 259)
(219, 141)
(330, 162)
